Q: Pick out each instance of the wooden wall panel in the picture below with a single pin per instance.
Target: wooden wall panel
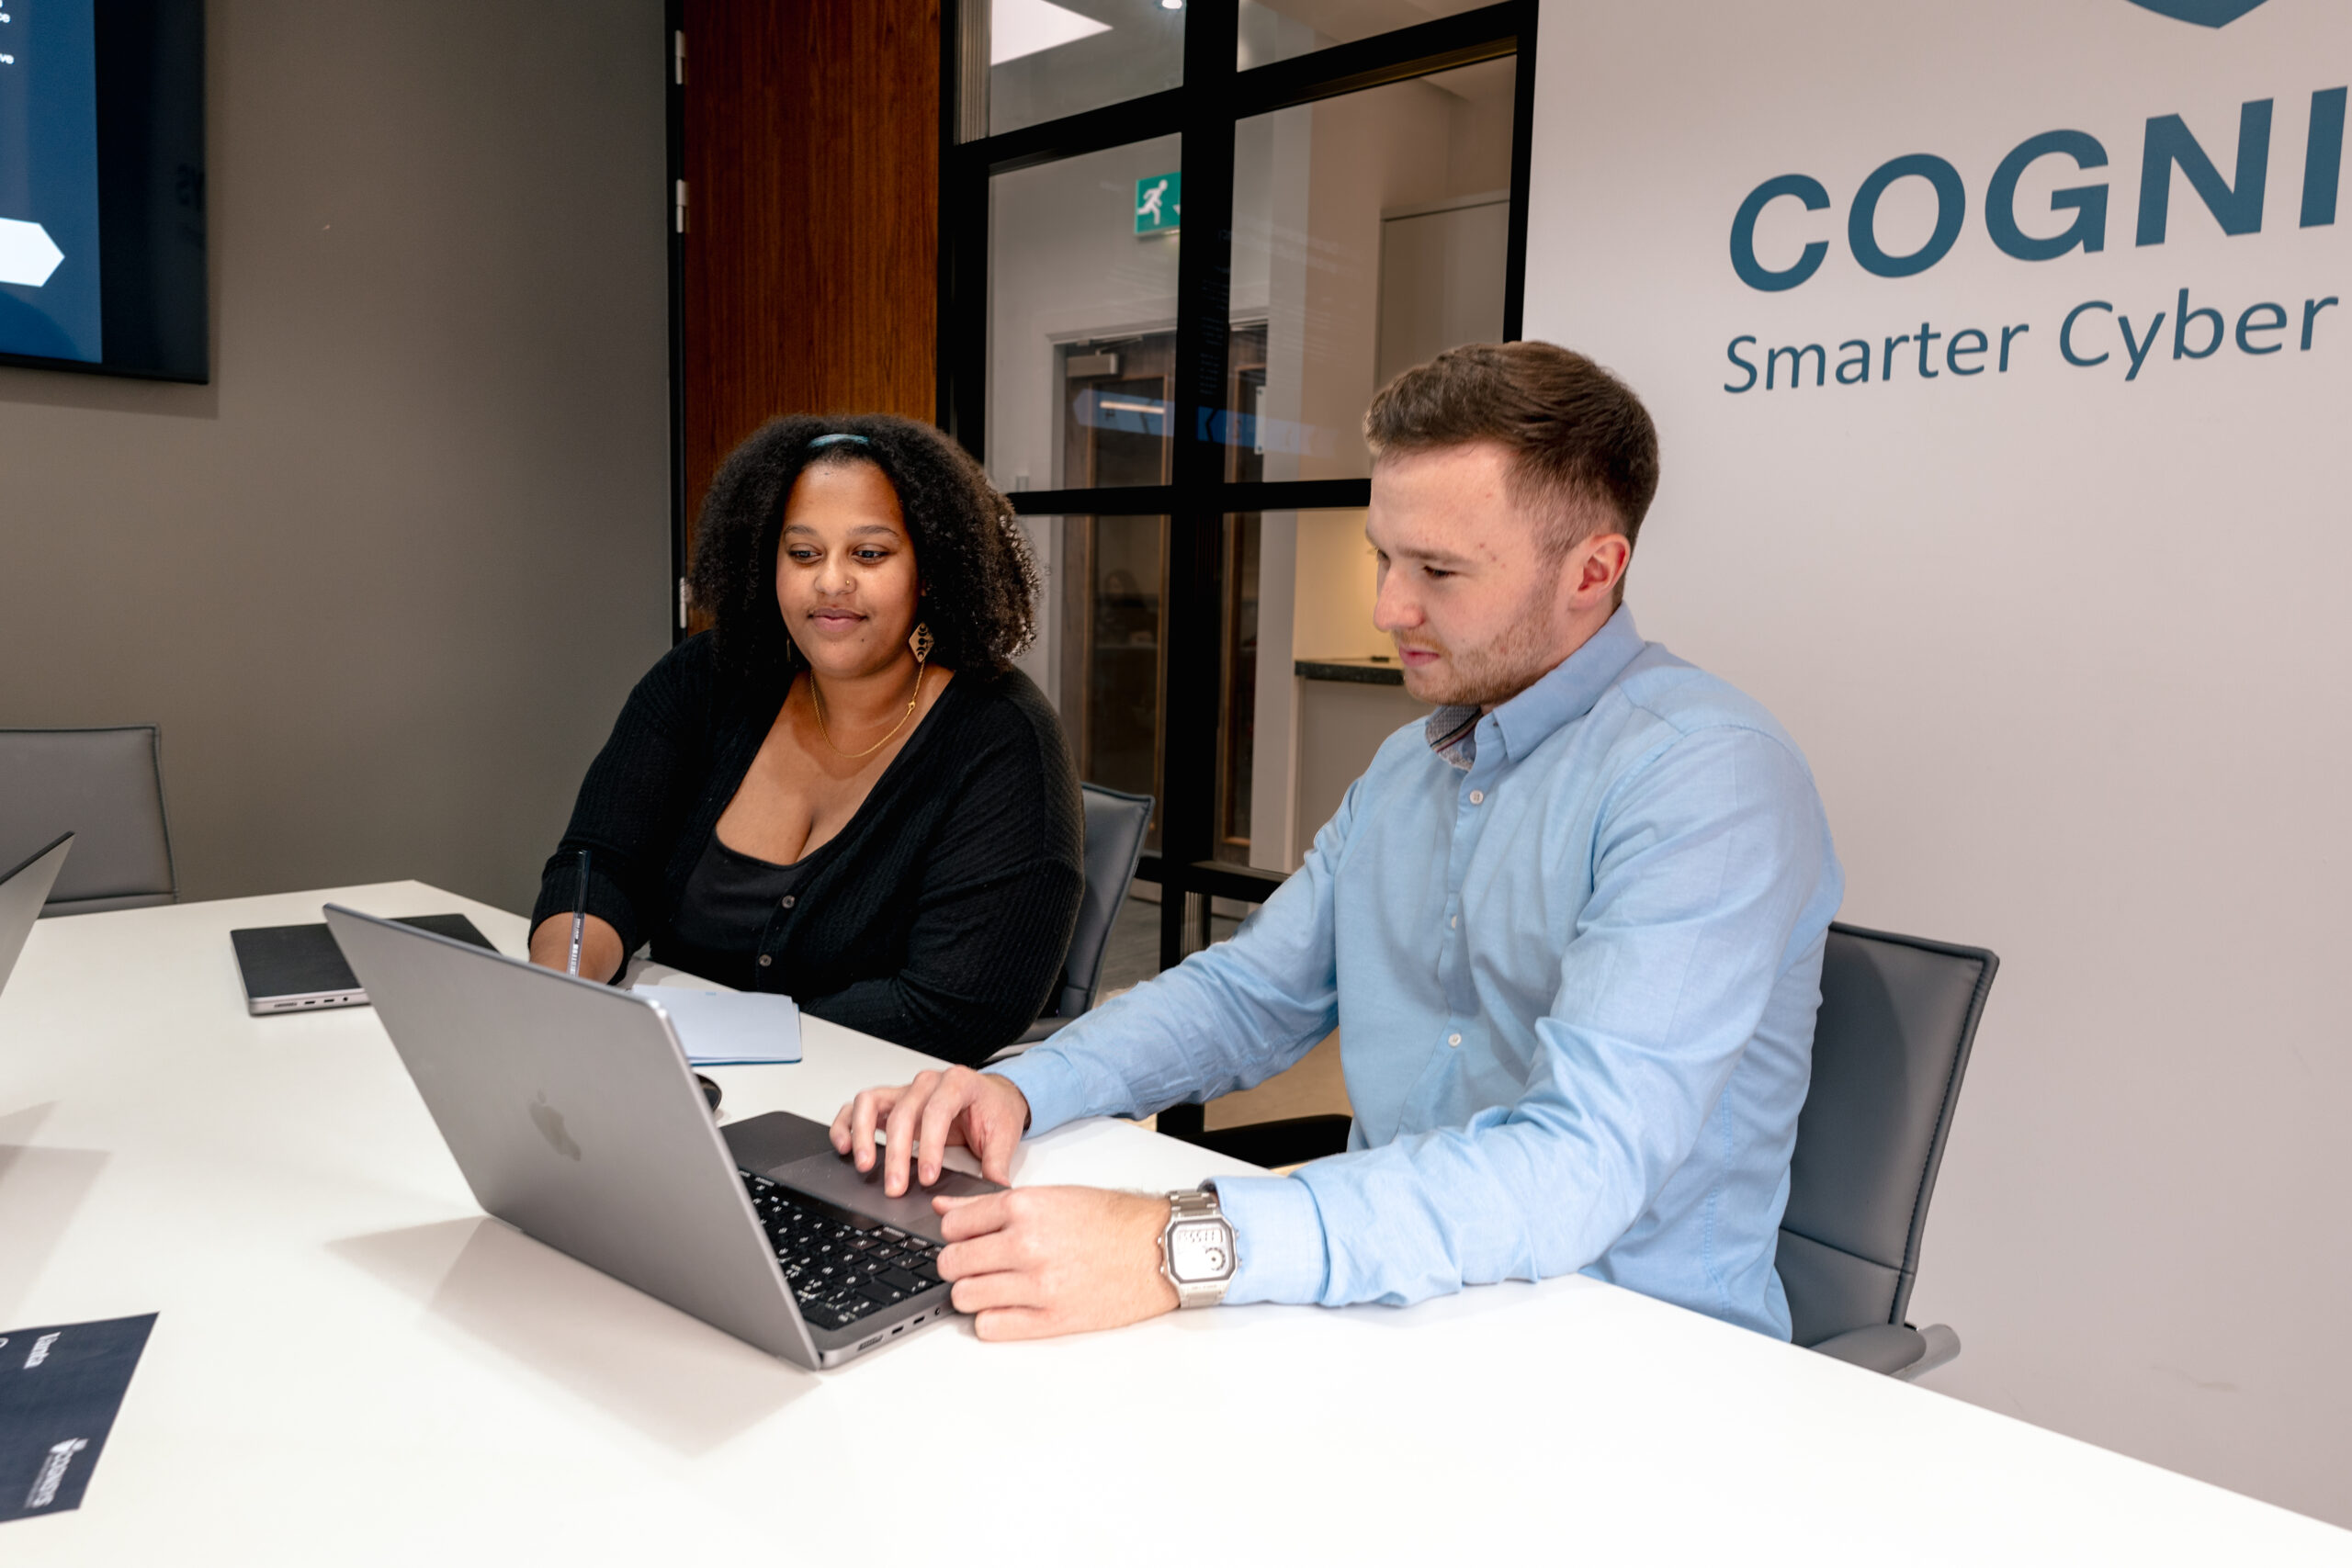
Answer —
(811, 252)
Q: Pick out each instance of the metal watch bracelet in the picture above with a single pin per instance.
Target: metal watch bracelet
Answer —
(1207, 1249)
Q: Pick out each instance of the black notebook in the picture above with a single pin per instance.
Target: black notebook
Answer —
(291, 968)
(59, 1388)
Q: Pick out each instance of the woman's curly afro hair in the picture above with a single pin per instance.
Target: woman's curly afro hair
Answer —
(979, 580)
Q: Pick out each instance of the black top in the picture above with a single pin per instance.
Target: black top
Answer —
(730, 901)
(937, 918)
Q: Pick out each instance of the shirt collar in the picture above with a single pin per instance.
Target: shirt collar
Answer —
(1563, 694)
(1452, 733)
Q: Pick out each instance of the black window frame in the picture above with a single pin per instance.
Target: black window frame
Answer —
(1214, 96)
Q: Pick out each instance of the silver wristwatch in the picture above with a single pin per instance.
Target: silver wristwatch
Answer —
(1196, 1250)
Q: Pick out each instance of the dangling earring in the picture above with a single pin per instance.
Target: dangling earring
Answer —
(920, 644)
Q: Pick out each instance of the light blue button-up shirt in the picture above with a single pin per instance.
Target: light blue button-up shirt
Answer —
(1575, 981)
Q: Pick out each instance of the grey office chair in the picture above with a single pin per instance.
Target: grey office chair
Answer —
(105, 786)
(1115, 822)
(1897, 1017)
(1898, 1014)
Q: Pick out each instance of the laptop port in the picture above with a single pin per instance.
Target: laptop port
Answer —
(871, 1342)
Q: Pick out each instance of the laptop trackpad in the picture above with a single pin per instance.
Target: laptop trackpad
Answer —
(837, 1181)
(767, 1143)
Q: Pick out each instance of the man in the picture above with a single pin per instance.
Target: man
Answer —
(1569, 930)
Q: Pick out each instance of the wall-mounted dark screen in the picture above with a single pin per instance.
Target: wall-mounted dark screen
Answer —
(102, 263)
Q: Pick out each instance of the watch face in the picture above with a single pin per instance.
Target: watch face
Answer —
(1201, 1250)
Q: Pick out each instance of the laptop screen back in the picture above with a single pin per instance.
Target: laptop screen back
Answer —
(22, 893)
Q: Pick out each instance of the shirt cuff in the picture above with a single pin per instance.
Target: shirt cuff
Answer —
(1052, 1086)
(1278, 1237)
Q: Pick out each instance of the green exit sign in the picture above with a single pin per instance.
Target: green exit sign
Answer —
(1159, 203)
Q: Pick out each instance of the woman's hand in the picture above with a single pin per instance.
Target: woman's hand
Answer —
(600, 947)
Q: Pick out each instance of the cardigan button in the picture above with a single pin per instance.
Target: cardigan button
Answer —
(790, 899)
(766, 959)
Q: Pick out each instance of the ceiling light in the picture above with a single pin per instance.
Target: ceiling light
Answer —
(1018, 28)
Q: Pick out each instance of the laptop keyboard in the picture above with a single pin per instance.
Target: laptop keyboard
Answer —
(840, 1267)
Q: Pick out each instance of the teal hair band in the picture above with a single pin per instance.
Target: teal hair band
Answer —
(830, 440)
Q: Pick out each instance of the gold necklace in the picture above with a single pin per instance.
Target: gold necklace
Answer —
(819, 704)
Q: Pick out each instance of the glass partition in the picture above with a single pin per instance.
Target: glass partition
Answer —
(1194, 496)
(1284, 30)
(1311, 688)
(1369, 231)
(1101, 653)
(1082, 318)
(1026, 61)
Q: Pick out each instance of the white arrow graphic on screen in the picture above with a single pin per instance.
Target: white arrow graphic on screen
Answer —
(28, 254)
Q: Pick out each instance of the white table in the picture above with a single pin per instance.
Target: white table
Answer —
(354, 1366)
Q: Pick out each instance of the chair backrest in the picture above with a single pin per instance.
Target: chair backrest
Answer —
(1897, 1017)
(1115, 830)
(105, 786)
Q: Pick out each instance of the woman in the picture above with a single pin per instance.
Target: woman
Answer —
(843, 791)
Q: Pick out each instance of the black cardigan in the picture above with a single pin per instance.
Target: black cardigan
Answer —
(938, 917)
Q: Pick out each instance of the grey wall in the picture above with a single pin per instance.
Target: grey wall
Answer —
(2067, 652)
(385, 580)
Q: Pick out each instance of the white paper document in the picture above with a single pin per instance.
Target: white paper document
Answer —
(722, 1029)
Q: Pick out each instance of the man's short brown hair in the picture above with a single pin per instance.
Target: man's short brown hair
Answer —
(1583, 451)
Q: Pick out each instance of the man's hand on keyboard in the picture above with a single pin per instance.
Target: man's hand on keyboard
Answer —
(980, 1111)
(1044, 1260)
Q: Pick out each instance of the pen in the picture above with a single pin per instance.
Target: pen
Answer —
(579, 914)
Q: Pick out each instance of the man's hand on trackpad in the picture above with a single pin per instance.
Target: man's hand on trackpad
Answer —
(1027, 1263)
(980, 1111)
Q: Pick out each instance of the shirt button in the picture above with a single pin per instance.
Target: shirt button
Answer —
(790, 899)
(1454, 1040)
(1452, 920)
(1477, 798)
(765, 960)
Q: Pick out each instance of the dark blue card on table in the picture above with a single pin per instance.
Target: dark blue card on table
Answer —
(59, 1388)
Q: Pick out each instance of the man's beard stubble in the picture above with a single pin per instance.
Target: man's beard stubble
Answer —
(1500, 669)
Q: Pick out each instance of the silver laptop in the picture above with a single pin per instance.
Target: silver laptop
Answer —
(572, 1112)
(22, 893)
(293, 968)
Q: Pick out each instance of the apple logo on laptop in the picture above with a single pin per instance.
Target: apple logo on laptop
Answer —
(550, 1122)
